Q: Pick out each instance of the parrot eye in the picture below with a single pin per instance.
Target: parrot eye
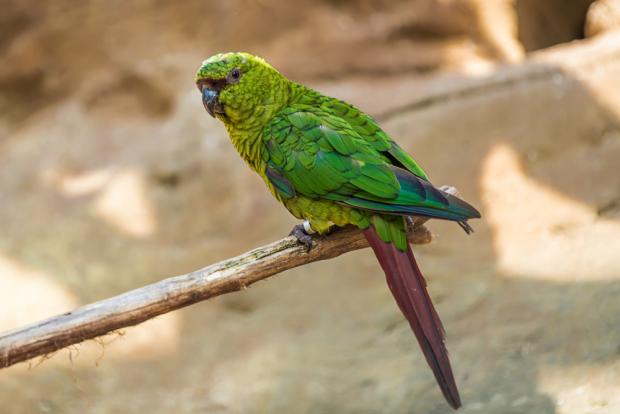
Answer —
(234, 75)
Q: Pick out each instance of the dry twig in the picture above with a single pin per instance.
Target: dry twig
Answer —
(139, 305)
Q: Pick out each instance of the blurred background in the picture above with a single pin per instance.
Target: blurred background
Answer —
(113, 176)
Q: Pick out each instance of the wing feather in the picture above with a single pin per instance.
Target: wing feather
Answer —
(335, 152)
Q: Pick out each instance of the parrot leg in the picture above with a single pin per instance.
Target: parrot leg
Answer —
(300, 231)
(308, 227)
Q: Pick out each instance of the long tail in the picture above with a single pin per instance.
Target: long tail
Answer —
(409, 289)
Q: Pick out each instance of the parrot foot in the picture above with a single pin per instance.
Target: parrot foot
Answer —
(300, 232)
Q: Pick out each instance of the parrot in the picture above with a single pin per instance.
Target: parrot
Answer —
(331, 166)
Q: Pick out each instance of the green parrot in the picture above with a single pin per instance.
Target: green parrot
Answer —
(330, 164)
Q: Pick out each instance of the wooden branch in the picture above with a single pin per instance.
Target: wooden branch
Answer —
(139, 305)
(231, 275)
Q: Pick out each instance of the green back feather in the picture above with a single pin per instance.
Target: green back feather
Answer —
(323, 155)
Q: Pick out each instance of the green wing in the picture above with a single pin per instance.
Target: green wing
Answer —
(333, 151)
(367, 128)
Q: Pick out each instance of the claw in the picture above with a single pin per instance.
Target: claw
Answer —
(302, 236)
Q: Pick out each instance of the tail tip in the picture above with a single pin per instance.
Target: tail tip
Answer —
(455, 402)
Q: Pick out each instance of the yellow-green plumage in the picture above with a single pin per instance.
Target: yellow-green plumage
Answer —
(324, 159)
(329, 163)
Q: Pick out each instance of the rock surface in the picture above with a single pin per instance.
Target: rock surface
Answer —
(603, 16)
(113, 176)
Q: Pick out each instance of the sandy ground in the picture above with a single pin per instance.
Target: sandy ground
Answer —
(108, 191)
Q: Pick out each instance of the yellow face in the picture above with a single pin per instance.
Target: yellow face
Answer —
(234, 84)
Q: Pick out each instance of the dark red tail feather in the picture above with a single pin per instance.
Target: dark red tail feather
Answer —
(409, 289)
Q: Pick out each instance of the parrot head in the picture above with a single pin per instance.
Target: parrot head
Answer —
(235, 85)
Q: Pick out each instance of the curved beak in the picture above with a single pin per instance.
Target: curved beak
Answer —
(210, 101)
